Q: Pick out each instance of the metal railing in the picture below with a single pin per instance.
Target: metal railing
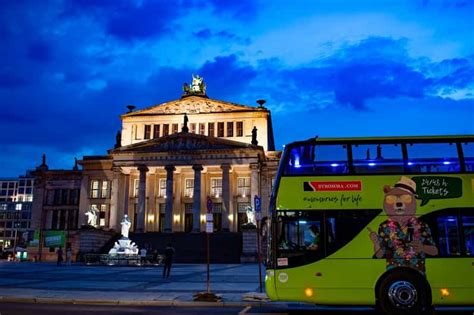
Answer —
(121, 260)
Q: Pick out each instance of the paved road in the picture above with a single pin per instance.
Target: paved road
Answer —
(60, 309)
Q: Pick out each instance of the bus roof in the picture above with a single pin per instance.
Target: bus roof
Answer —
(392, 139)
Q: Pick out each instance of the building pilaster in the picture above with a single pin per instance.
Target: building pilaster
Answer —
(197, 198)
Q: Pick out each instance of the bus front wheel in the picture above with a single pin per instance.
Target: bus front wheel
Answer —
(404, 292)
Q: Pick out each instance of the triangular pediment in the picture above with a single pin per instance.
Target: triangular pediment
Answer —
(184, 141)
(193, 105)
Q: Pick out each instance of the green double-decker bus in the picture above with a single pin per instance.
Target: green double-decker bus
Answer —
(374, 221)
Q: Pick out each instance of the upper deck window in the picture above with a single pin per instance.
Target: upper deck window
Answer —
(377, 158)
(468, 150)
(317, 159)
(433, 158)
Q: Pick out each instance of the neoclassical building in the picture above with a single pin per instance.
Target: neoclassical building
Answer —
(170, 162)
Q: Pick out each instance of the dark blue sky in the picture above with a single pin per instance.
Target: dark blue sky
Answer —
(327, 68)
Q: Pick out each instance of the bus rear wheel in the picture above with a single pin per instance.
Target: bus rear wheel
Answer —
(404, 292)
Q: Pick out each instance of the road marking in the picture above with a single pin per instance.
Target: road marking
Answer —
(245, 310)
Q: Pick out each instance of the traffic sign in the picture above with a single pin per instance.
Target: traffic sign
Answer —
(258, 203)
(209, 227)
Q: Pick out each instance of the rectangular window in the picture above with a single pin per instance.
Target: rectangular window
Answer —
(74, 197)
(161, 208)
(242, 214)
(240, 129)
(136, 184)
(377, 158)
(162, 187)
(94, 190)
(202, 128)
(188, 187)
(62, 219)
(468, 227)
(230, 129)
(217, 217)
(103, 215)
(156, 131)
(193, 127)
(104, 189)
(468, 151)
(216, 187)
(72, 220)
(166, 130)
(433, 158)
(310, 159)
(147, 134)
(210, 130)
(243, 186)
(175, 128)
(448, 236)
(220, 129)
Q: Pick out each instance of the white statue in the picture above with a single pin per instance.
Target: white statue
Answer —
(251, 216)
(91, 217)
(126, 223)
(198, 84)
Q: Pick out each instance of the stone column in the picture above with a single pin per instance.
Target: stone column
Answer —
(114, 193)
(197, 199)
(141, 199)
(225, 197)
(169, 198)
(254, 189)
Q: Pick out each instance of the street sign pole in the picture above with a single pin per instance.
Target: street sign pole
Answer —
(208, 296)
(258, 214)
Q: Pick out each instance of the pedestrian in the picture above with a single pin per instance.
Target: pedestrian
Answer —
(60, 255)
(155, 256)
(68, 256)
(143, 256)
(169, 252)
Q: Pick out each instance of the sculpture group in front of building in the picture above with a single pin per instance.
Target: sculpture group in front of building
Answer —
(124, 246)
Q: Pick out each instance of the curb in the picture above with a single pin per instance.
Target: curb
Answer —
(175, 303)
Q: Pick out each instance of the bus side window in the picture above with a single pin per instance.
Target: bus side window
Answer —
(433, 158)
(468, 151)
(448, 239)
(468, 226)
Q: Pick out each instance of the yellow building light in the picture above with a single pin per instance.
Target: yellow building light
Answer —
(308, 292)
(231, 217)
(151, 218)
(203, 218)
(444, 292)
(176, 218)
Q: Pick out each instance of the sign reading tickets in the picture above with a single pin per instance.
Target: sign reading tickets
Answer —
(437, 187)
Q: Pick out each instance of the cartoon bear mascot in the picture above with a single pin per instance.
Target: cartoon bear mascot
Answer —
(403, 240)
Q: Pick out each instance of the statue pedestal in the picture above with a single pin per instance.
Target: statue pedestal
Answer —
(249, 244)
(124, 246)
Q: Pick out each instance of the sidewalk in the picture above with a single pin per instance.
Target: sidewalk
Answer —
(48, 283)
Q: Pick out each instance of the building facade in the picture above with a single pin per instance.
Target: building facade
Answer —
(171, 163)
(16, 198)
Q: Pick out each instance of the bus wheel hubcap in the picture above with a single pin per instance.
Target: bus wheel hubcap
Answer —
(402, 293)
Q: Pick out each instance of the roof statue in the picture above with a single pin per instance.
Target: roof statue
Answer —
(185, 125)
(197, 87)
(254, 136)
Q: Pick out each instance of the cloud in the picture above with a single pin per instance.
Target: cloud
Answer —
(241, 10)
(226, 76)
